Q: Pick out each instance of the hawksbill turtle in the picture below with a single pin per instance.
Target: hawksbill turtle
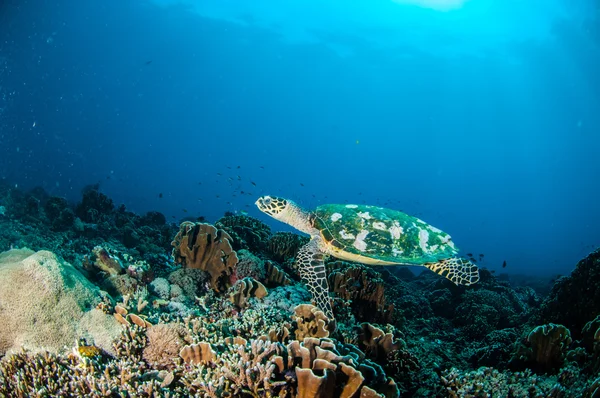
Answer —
(369, 235)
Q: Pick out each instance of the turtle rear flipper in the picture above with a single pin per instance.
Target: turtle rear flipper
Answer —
(312, 271)
(458, 270)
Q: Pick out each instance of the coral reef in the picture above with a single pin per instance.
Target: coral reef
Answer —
(47, 303)
(309, 368)
(489, 382)
(202, 246)
(190, 316)
(310, 322)
(164, 342)
(246, 232)
(285, 245)
(546, 347)
(249, 265)
(362, 288)
(246, 289)
(575, 299)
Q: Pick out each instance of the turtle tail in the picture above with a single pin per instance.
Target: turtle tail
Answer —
(459, 270)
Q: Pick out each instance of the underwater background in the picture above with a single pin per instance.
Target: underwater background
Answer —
(131, 131)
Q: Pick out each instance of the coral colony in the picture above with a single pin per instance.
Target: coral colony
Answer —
(96, 301)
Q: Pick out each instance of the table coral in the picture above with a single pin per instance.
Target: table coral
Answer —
(202, 246)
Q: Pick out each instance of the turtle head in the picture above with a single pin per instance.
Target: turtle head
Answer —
(288, 212)
(276, 207)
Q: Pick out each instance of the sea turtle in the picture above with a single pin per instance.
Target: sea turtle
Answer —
(368, 235)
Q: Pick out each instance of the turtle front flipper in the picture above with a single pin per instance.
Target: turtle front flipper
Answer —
(458, 270)
(312, 271)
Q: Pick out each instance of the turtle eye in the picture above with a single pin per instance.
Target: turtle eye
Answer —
(267, 201)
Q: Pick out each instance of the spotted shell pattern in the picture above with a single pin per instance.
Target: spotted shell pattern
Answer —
(382, 234)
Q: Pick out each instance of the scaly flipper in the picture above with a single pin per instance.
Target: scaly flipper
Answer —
(312, 271)
(458, 270)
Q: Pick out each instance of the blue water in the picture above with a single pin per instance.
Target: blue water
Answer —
(482, 117)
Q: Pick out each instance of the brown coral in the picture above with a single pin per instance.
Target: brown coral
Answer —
(363, 288)
(376, 343)
(545, 348)
(106, 262)
(246, 288)
(310, 322)
(202, 246)
(247, 232)
(275, 276)
(283, 246)
(198, 354)
(163, 345)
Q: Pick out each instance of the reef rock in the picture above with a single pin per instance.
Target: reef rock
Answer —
(45, 303)
(575, 299)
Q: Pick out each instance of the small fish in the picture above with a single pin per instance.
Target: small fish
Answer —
(239, 167)
(219, 174)
(239, 178)
(480, 255)
(470, 254)
(229, 167)
(262, 167)
(218, 196)
(184, 210)
(242, 192)
(160, 195)
(504, 264)
(243, 212)
(301, 184)
(253, 183)
(148, 62)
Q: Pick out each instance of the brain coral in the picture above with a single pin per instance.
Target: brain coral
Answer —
(46, 302)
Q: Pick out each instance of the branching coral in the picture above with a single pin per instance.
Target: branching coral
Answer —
(311, 368)
(49, 375)
(164, 342)
(489, 382)
(202, 246)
